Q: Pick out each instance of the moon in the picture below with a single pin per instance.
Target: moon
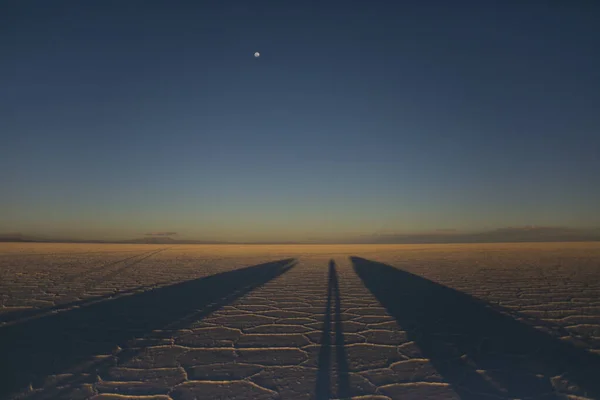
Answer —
(256, 54)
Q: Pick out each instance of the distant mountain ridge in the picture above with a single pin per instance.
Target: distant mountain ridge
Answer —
(14, 237)
(169, 240)
(510, 235)
(17, 237)
(500, 235)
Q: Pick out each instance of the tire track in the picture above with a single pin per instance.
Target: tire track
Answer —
(83, 253)
(80, 284)
(104, 267)
(101, 276)
(128, 266)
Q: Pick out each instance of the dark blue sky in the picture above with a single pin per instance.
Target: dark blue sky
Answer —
(122, 117)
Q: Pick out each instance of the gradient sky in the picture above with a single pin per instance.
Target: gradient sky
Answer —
(123, 117)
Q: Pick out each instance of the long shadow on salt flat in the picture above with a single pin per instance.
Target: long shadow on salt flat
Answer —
(323, 385)
(15, 316)
(101, 274)
(462, 336)
(57, 343)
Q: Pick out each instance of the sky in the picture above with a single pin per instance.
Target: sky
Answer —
(119, 118)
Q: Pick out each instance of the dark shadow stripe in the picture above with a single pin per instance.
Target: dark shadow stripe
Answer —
(16, 317)
(323, 386)
(462, 335)
(56, 343)
(340, 349)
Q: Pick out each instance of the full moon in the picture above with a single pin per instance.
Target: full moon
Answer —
(257, 54)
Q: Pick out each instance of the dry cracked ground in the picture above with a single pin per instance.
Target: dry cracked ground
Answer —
(493, 321)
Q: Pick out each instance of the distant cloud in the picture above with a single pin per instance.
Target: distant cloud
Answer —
(161, 233)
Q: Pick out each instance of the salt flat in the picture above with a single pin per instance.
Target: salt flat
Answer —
(472, 321)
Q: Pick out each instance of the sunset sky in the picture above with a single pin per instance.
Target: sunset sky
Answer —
(119, 118)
